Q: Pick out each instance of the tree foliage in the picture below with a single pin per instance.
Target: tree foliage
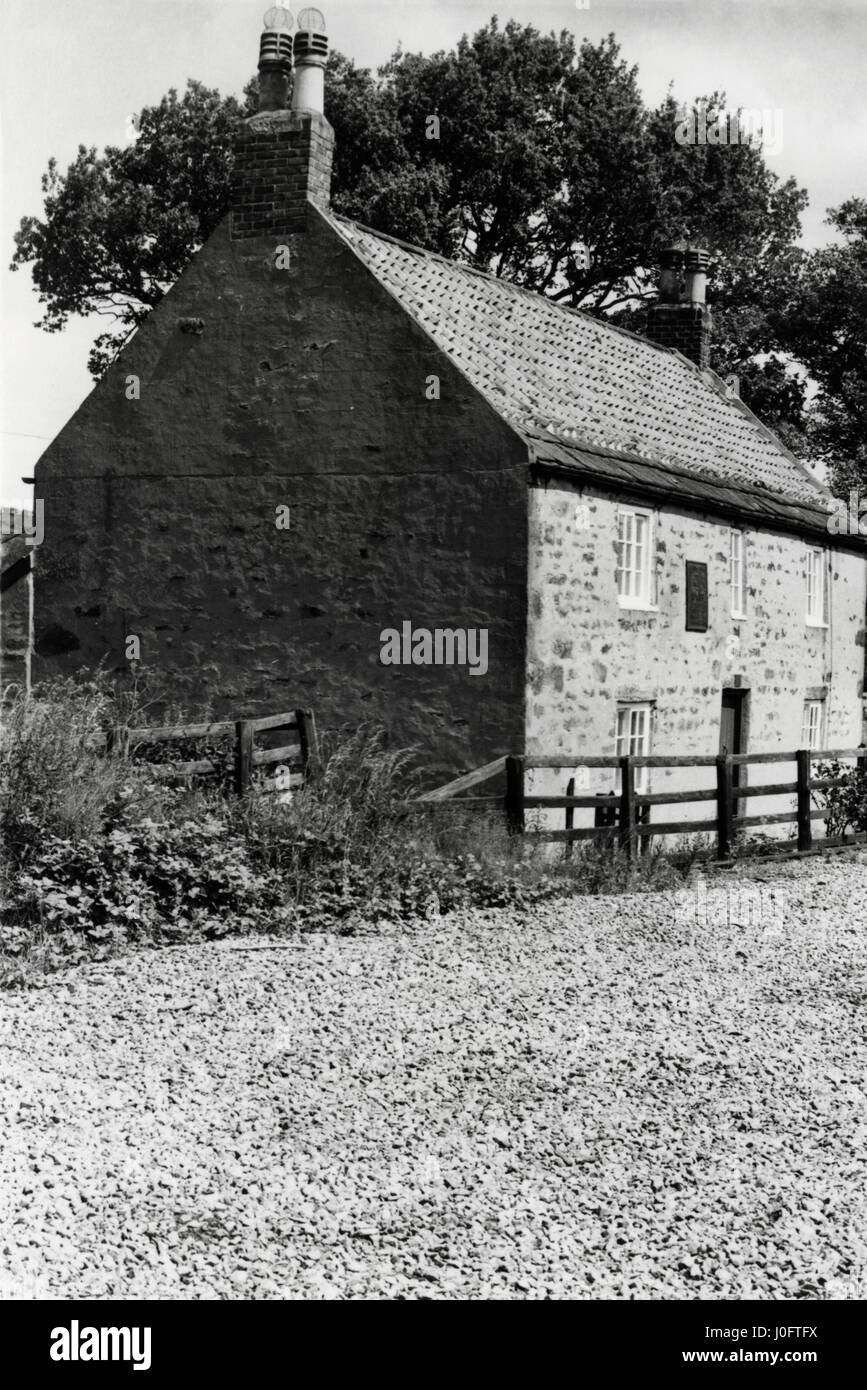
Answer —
(543, 165)
(118, 228)
(823, 322)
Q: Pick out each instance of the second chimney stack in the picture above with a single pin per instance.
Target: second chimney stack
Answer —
(680, 318)
(283, 156)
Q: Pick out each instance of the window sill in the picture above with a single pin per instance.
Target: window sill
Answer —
(739, 617)
(633, 606)
(814, 622)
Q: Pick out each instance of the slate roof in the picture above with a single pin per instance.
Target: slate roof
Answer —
(667, 484)
(557, 373)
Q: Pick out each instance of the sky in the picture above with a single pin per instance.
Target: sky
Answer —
(72, 73)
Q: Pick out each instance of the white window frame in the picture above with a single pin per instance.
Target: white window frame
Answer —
(635, 550)
(817, 588)
(813, 724)
(632, 735)
(738, 573)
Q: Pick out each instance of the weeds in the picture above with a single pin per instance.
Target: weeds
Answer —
(56, 778)
(99, 852)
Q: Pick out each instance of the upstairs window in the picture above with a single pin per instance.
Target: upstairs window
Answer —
(737, 574)
(817, 598)
(634, 569)
(813, 725)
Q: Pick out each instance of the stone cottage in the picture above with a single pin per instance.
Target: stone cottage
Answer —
(336, 470)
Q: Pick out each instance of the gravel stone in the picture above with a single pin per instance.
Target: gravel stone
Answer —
(597, 1098)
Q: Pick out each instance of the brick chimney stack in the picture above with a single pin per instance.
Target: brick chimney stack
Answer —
(681, 319)
(283, 156)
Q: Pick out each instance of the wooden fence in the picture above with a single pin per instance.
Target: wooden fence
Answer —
(625, 817)
(290, 740)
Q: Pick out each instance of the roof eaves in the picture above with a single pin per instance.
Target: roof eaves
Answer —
(632, 474)
(538, 440)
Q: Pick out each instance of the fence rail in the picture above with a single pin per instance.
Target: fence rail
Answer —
(624, 815)
(298, 749)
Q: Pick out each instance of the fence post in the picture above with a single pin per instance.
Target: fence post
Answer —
(724, 806)
(805, 824)
(117, 740)
(243, 755)
(570, 815)
(308, 741)
(515, 795)
(627, 807)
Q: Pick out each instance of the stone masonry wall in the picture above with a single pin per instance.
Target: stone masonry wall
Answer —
(586, 654)
(306, 387)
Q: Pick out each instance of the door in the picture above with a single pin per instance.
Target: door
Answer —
(732, 728)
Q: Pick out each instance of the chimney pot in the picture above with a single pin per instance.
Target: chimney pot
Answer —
(311, 55)
(671, 263)
(275, 60)
(696, 276)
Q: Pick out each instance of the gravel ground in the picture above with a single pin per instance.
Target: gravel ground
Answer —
(606, 1098)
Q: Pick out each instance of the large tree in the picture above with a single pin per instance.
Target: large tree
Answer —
(823, 322)
(118, 228)
(543, 165)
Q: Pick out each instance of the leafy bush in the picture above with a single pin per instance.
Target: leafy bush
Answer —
(97, 850)
(151, 882)
(100, 851)
(846, 801)
(73, 901)
(196, 868)
(350, 852)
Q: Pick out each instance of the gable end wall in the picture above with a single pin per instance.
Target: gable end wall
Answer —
(306, 388)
